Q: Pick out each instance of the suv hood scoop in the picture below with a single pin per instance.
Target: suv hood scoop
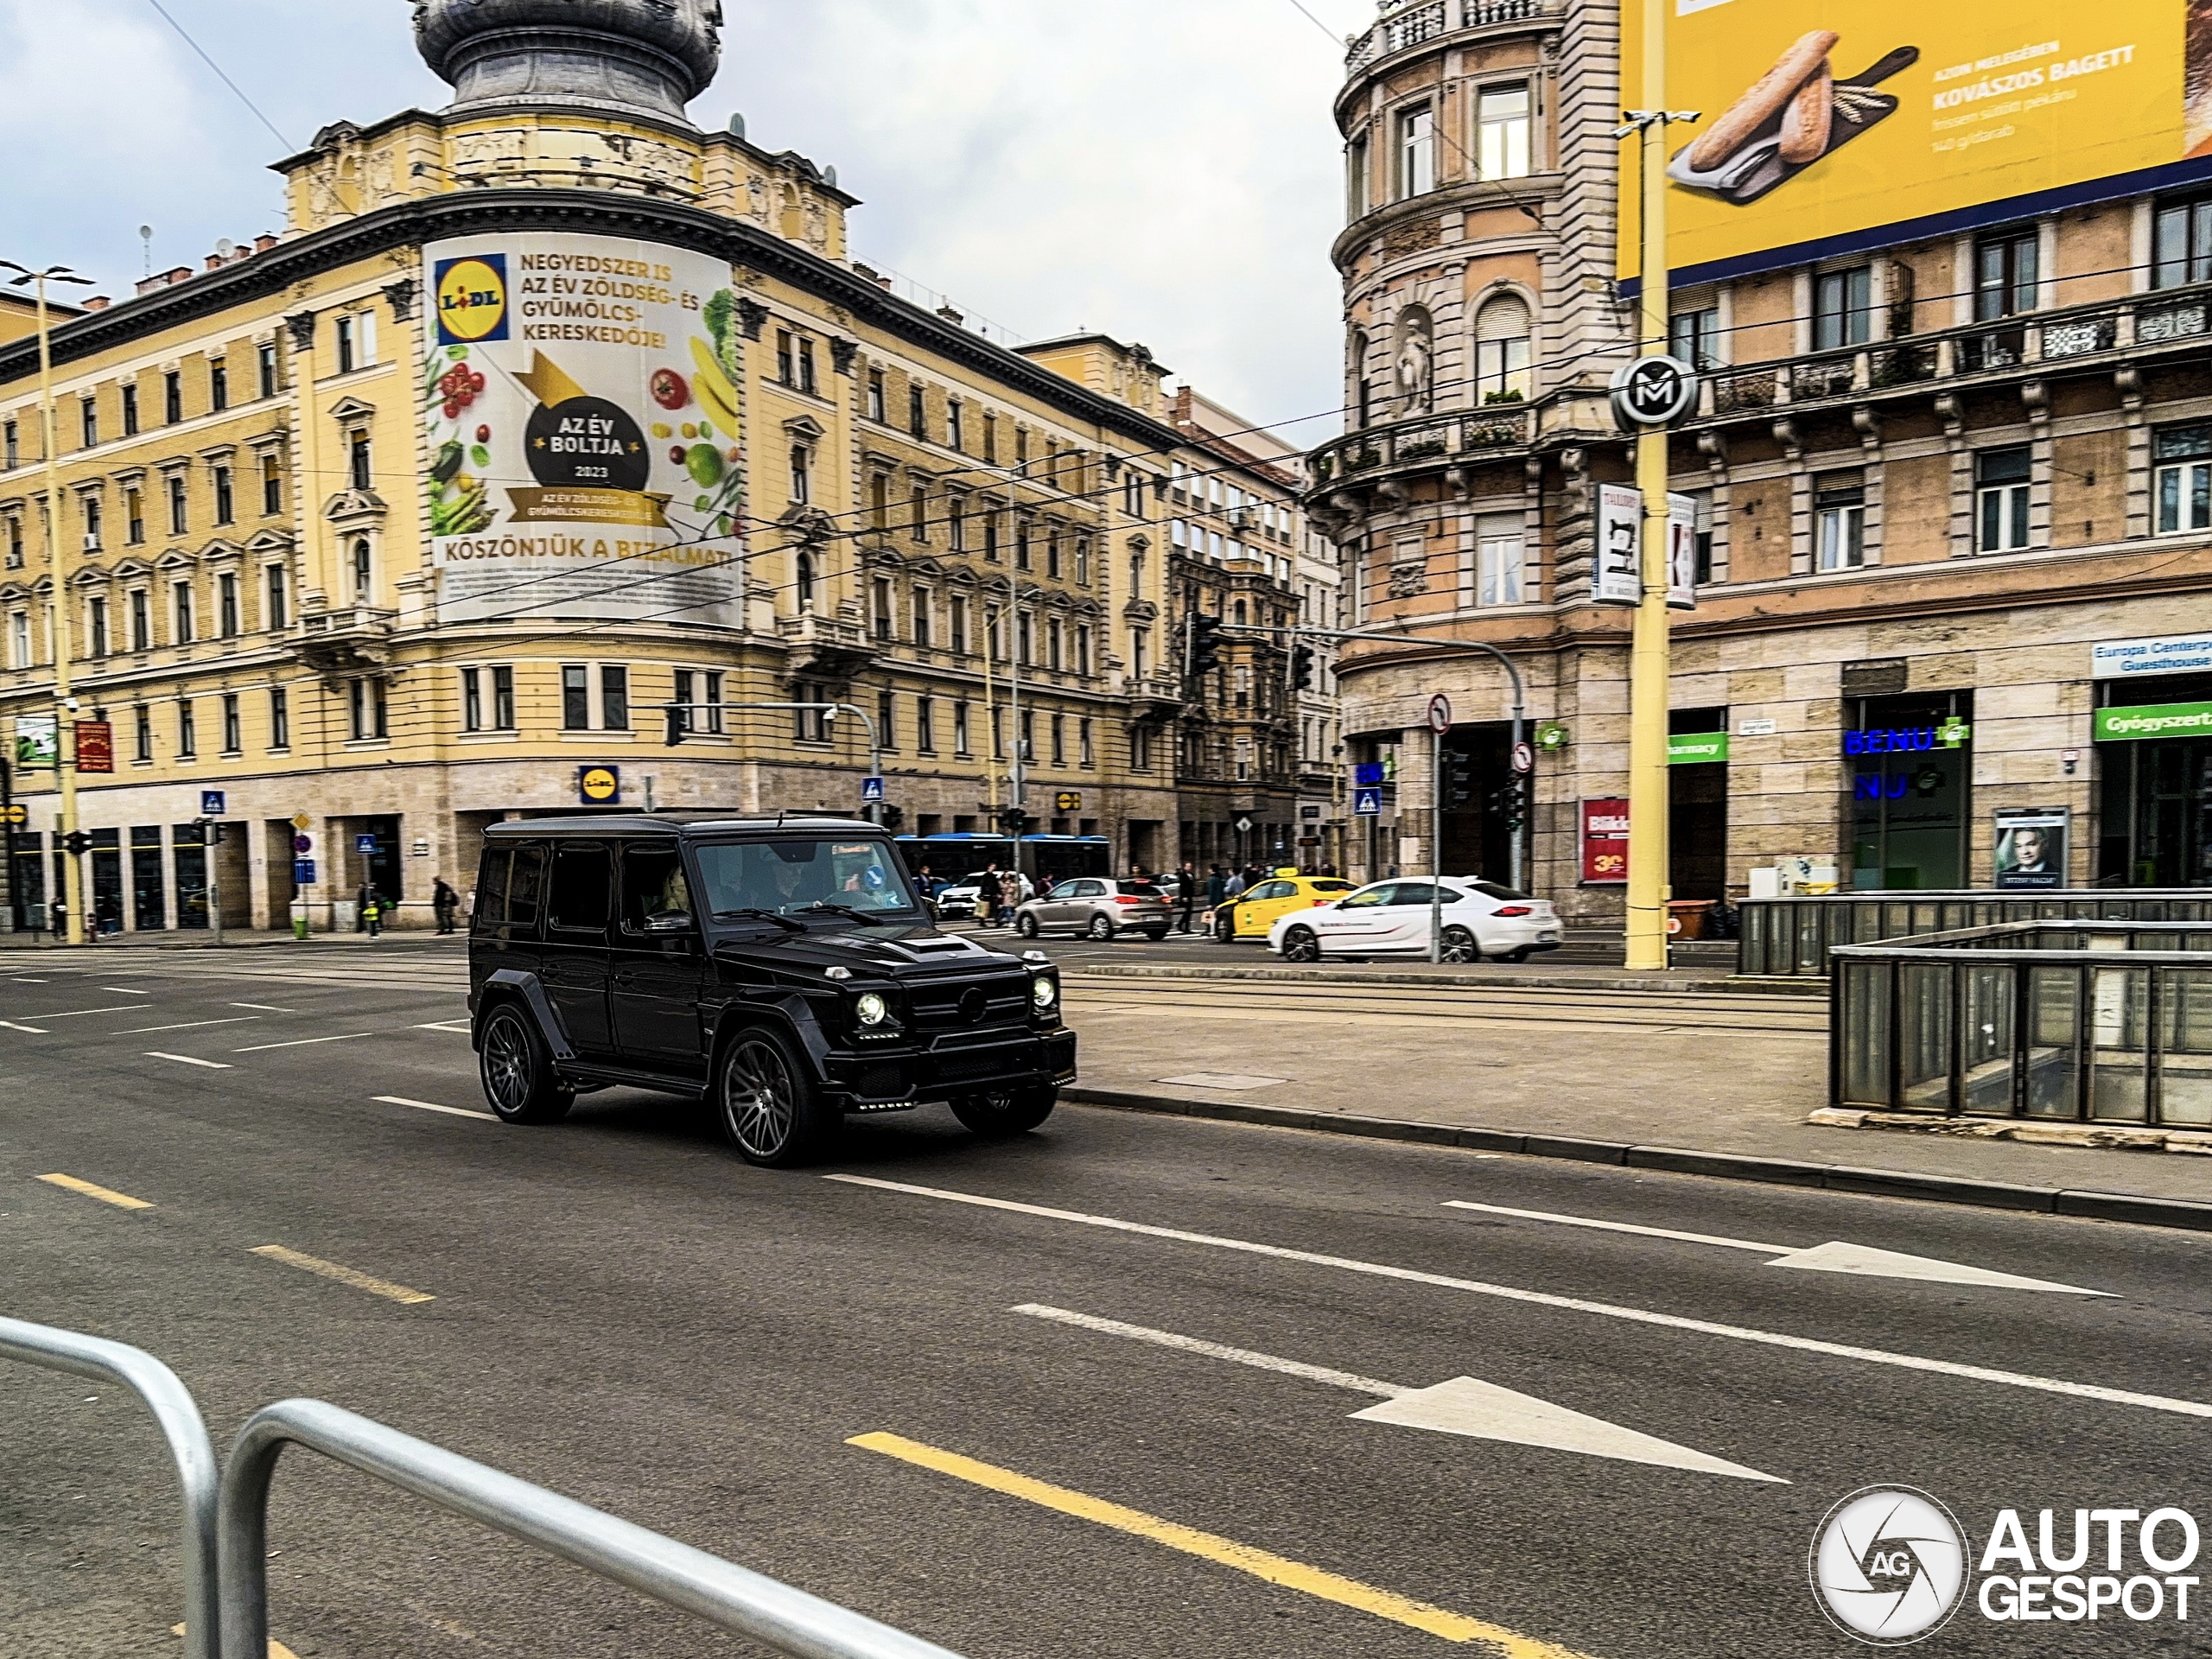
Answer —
(896, 954)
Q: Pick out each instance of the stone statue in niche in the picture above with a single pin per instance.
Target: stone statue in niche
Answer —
(1413, 361)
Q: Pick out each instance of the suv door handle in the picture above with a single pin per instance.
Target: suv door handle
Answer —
(626, 979)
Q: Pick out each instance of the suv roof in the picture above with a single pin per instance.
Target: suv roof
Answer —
(688, 820)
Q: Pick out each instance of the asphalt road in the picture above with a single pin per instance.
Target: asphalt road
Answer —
(622, 1311)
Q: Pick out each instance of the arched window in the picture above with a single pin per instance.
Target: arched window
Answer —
(1502, 371)
(1363, 397)
(362, 573)
(804, 585)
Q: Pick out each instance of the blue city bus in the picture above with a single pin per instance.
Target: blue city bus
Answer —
(1045, 859)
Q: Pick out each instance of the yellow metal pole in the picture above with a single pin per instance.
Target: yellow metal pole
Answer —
(1648, 667)
(58, 630)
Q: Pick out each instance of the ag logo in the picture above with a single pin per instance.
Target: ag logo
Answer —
(599, 785)
(1889, 1566)
(1653, 391)
(472, 295)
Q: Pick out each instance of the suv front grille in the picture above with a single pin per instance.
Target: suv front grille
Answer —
(938, 1007)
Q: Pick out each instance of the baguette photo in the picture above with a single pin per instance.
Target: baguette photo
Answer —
(1805, 123)
(1769, 96)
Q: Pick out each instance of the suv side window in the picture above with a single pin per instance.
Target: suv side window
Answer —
(653, 883)
(508, 887)
(526, 886)
(583, 881)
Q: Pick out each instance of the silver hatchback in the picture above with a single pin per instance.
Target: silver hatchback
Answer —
(1098, 907)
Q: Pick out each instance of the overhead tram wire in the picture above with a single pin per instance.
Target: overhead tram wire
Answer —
(290, 148)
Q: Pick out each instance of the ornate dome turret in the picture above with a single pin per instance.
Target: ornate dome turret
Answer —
(651, 56)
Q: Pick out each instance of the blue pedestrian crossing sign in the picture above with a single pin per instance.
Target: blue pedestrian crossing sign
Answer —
(1367, 802)
(211, 803)
(871, 790)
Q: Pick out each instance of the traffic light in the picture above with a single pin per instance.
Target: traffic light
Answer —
(77, 843)
(679, 723)
(1205, 644)
(1459, 778)
(1015, 822)
(1302, 668)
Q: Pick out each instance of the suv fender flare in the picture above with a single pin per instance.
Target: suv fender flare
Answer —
(517, 985)
(788, 1015)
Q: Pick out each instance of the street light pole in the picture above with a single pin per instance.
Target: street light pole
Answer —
(57, 621)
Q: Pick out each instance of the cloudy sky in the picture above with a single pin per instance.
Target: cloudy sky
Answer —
(1163, 171)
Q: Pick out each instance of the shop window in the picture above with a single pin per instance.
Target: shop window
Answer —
(2181, 459)
(1840, 520)
(2001, 500)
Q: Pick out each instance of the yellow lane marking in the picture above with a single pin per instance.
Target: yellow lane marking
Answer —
(277, 1649)
(343, 1275)
(105, 1195)
(1225, 1552)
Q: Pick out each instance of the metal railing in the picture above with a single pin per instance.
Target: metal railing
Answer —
(1792, 937)
(182, 1426)
(2103, 1022)
(1412, 22)
(1428, 438)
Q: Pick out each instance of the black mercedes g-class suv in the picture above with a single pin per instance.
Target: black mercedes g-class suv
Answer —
(783, 970)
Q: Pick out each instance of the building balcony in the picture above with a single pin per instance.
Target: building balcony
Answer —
(1416, 23)
(1497, 431)
(834, 647)
(351, 637)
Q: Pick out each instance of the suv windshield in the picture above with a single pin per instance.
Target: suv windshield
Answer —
(838, 880)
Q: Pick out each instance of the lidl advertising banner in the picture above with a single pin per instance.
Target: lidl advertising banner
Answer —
(1828, 120)
(580, 399)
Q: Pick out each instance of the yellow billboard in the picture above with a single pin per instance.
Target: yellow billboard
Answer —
(1853, 123)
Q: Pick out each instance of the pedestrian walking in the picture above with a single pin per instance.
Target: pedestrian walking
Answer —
(444, 902)
(1186, 894)
(1215, 883)
(371, 918)
(57, 916)
(1235, 885)
(989, 890)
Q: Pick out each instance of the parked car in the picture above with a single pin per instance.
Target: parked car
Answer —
(1391, 919)
(1098, 907)
(782, 971)
(1253, 913)
(958, 899)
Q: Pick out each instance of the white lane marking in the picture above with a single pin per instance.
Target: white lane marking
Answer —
(1833, 1257)
(262, 1007)
(25, 979)
(74, 1013)
(428, 1106)
(1484, 1411)
(187, 1059)
(1463, 1406)
(302, 1042)
(189, 1025)
(35, 1031)
(126, 990)
(1216, 1351)
(1575, 1304)
(445, 1025)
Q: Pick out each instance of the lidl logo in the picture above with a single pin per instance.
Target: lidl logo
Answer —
(472, 299)
(599, 785)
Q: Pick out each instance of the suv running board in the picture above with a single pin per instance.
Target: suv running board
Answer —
(593, 1077)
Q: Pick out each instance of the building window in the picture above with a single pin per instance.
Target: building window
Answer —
(367, 711)
(1840, 520)
(886, 719)
(357, 341)
(956, 523)
(1085, 756)
(92, 523)
(918, 513)
(187, 734)
(272, 488)
(960, 728)
(955, 433)
(14, 543)
(1139, 647)
(1502, 371)
(786, 369)
(803, 582)
(2181, 478)
(1059, 740)
(266, 360)
(879, 501)
(129, 410)
(810, 724)
(1141, 748)
(278, 610)
(134, 517)
(1022, 533)
(218, 386)
(1355, 165)
(2000, 479)
(917, 417)
(142, 734)
(991, 437)
(614, 697)
(806, 382)
(802, 490)
(503, 700)
(991, 536)
(1025, 638)
(225, 502)
(699, 693)
(1694, 337)
(233, 739)
(958, 619)
(96, 624)
(1501, 131)
(179, 517)
(1054, 634)
(2181, 244)
(1083, 650)
(1416, 151)
(364, 572)
(1082, 562)
(226, 605)
(876, 395)
(88, 415)
(1053, 551)
(2005, 277)
(19, 639)
(1026, 742)
(279, 719)
(922, 619)
(576, 697)
(1499, 560)
(141, 620)
(472, 700)
(880, 591)
(925, 724)
(182, 592)
(359, 465)
(173, 397)
(11, 445)
(1843, 308)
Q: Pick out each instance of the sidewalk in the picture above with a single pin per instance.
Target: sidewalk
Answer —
(1712, 1083)
(234, 938)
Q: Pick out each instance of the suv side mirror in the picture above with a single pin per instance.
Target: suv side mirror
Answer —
(668, 921)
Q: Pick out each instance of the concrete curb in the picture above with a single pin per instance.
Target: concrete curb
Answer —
(1721, 1166)
(1810, 989)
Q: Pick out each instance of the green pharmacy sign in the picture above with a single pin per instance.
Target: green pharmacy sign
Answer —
(1697, 748)
(2159, 720)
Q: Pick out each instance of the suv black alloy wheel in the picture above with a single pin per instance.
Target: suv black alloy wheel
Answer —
(518, 1072)
(768, 1107)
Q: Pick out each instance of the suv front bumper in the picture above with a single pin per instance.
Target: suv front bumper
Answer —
(897, 1075)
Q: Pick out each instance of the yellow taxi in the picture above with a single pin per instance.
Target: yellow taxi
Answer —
(1253, 912)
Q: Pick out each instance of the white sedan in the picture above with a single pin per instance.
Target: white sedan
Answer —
(1391, 919)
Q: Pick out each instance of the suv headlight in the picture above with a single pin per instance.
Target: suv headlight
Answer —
(1045, 992)
(871, 1008)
